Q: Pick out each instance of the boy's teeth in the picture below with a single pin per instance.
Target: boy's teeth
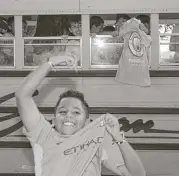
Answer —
(68, 123)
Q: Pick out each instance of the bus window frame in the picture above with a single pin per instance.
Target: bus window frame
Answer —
(85, 49)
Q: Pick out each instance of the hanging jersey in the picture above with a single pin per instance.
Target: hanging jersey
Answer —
(134, 62)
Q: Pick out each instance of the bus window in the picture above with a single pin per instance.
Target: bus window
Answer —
(105, 51)
(169, 38)
(6, 42)
(47, 36)
(106, 48)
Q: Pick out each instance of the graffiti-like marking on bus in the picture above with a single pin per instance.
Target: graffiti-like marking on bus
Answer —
(18, 125)
(136, 126)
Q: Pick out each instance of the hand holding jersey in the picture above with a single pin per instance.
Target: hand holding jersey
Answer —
(113, 128)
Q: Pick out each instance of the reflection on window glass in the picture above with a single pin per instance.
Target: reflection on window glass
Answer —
(38, 51)
(6, 52)
(105, 50)
(169, 39)
(6, 42)
(168, 54)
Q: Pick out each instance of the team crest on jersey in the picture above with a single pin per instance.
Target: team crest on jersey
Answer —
(135, 44)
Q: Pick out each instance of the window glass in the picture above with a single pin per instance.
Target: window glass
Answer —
(46, 36)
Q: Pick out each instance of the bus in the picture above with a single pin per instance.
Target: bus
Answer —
(33, 30)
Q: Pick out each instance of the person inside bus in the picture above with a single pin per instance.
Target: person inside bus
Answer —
(11, 31)
(145, 20)
(110, 30)
(96, 25)
(48, 26)
(74, 22)
(74, 30)
(107, 30)
(72, 145)
(144, 26)
(120, 20)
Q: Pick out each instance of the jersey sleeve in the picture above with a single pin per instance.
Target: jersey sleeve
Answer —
(41, 133)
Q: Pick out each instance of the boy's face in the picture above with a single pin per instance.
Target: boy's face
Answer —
(70, 116)
(120, 22)
(97, 29)
(75, 28)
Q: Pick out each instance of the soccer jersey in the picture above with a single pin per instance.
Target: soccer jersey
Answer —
(48, 147)
(134, 62)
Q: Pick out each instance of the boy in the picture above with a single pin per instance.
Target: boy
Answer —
(145, 20)
(96, 25)
(71, 116)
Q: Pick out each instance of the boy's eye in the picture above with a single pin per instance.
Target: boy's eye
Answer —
(76, 112)
(62, 112)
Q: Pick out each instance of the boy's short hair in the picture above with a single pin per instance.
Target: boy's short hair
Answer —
(143, 18)
(74, 94)
(74, 19)
(124, 16)
(96, 20)
(108, 28)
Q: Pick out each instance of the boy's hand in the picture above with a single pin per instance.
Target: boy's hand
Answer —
(113, 127)
(69, 60)
(143, 28)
